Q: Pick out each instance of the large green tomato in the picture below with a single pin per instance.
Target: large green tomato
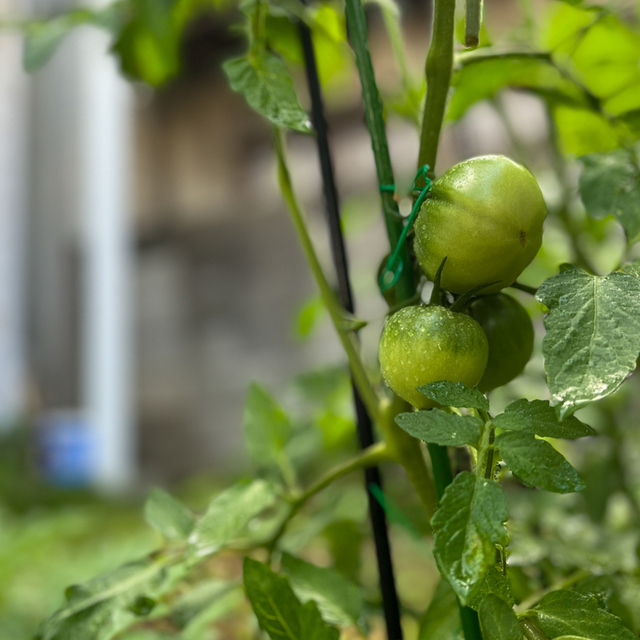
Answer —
(485, 216)
(510, 335)
(424, 344)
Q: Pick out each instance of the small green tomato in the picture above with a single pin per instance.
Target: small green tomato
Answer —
(485, 216)
(424, 344)
(510, 335)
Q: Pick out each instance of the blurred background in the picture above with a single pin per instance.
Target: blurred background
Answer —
(149, 271)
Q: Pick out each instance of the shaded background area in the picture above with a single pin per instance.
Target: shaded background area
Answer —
(216, 276)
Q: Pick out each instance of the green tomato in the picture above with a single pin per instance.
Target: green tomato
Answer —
(485, 216)
(510, 335)
(424, 344)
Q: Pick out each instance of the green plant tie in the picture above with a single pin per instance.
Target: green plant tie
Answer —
(395, 264)
(393, 511)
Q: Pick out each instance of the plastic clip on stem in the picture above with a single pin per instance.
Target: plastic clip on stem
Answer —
(390, 602)
(395, 264)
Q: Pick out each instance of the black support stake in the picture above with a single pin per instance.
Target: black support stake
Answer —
(365, 431)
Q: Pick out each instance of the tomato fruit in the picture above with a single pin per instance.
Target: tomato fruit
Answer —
(485, 216)
(423, 344)
(510, 336)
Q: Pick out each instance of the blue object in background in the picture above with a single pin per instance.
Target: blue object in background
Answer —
(66, 449)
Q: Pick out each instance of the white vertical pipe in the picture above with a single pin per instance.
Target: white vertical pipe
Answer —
(105, 115)
(13, 145)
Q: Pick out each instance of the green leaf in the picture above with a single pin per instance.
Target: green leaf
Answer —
(468, 524)
(229, 513)
(606, 61)
(632, 268)
(441, 620)
(197, 599)
(581, 130)
(498, 620)
(309, 315)
(266, 426)
(102, 607)
(537, 463)
(566, 25)
(454, 394)
(610, 185)
(263, 79)
(570, 613)
(607, 592)
(345, 542)
(168, 516)
(539, 417)
(149, 44)
(631, 121)
(600, 51)
(439, 427)
(340, 601)
(495, 583)
(481, 76)
(279, 612)
(593, 334)
(204, 603)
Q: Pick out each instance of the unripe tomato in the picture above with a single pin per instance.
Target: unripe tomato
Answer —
(424, 344)
(485, 216)
(510, 335)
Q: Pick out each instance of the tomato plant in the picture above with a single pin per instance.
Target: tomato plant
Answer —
(512, 556)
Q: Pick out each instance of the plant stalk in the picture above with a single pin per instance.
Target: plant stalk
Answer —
(472, 22)
(441, 466)
(357, 25)
(366, 458)
(524, 287)
(438, 69)
(336, 312)
(406, 449)
(369, 457)
(364, 425)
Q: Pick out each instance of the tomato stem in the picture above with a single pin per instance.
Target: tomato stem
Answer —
(368, 457)
(356, 22)
(472, 23)
(336, 312)
(408, 451)
(438, 69)
(442, 475)
(524, 287)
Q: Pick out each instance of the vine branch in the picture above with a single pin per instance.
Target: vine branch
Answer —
(336, 312)
(368, 457)
(438, 69)
(356, 22)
